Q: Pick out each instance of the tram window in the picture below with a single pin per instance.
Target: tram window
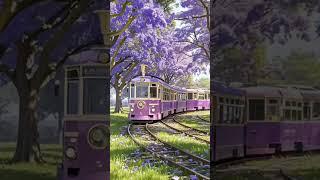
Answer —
(227, 100)
(232, 101)
(221, 114)
(221, 99)
(294, 115)
(256, 109)
(201, 96)
(316, 110)
(287, 114)
(94, 96)
(287, 103)
(299, 104)
(159, 93)
(142, 90)
(225, 114)
(195, 96)
(73, 97)
(299, 115)
(273, 101)
(189, 96)
(272, 112)
(153, 92)
(306, 112)
(237, 101)
(294, 103)
(132, 91)
(73, 74)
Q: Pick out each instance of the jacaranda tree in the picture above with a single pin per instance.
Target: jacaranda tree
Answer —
(36, 38)
(141, 21)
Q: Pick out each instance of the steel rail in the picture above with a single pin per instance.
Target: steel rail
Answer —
(186, 133)
(202, 119)
(195, 129)
(190, 163)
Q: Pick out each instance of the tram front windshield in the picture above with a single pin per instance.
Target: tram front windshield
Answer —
(94, 96)
(141, 90)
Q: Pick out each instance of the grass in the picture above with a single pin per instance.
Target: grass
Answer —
(194, 123)
(186, 143)
(304, 167)
(121, 146)
(204, 114)
(29, 171)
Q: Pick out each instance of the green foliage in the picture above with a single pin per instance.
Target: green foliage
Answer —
(203, 82)
(242, 65)
(166, 4)
(185, 81)
(186, 143)
(120, 149)
(29, 171)
(302, 68)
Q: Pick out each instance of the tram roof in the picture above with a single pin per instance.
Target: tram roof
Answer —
(291, 93)
(221, 88)
(310, 95)
(198, 90)
(157, 80)
(85, 64)
(262, 91)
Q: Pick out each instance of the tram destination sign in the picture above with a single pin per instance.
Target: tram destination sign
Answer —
(95, 71)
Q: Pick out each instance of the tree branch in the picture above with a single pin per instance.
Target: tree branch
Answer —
(121, 60)
(54, 21)
(192, 17)
(12, 8)
(7, 70)
(123, 9)
(126, 26)
(44, 68)
(117, 52)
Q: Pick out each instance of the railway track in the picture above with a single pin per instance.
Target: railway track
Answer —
(191, 164)
(222, 167)
(187, 130)
(202, 119)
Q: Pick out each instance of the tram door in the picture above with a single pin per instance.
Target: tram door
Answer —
(86, 131)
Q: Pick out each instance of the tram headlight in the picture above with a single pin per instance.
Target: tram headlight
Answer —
(153, 110)
(70, 153)
(98, 137)
(131, 109)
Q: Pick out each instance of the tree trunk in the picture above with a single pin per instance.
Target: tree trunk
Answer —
(28, 148)
(118, 106)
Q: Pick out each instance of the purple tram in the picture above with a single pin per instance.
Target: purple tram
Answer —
(198, 99)
(86, 132)
(276, 119)
(152, 99)
(263, 120)
(228, 124)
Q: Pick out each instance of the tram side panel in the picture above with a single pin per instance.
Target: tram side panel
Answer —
(192, 105)
(312, 138)
(166, 108)
(229, 141)
(291, 136)
(229, 129)
(205, 104)
(181, 106)
(262, 137)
